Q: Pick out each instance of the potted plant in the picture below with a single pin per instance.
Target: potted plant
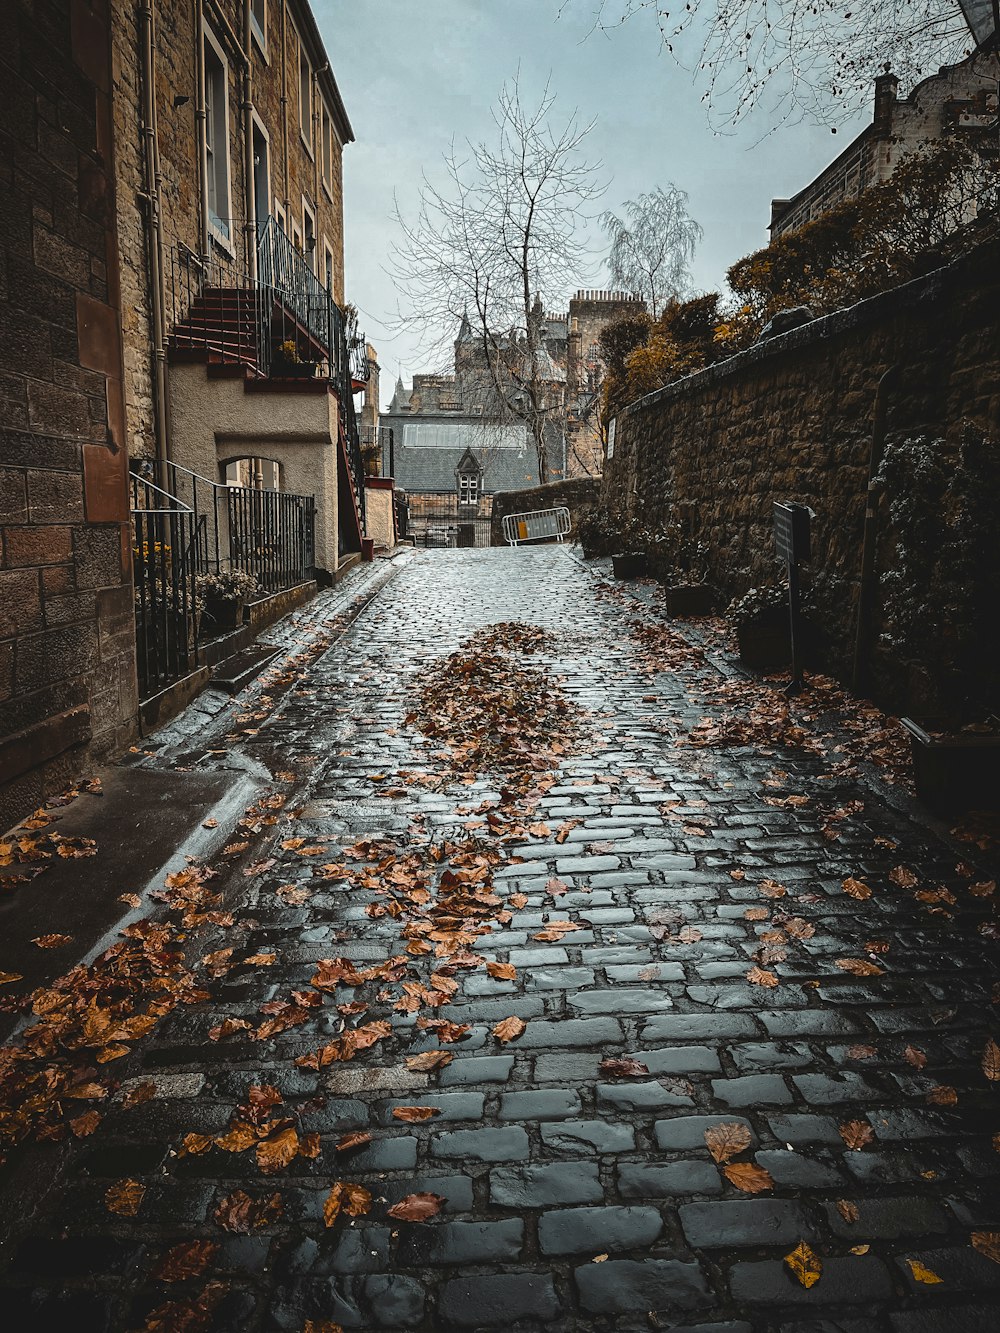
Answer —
(596, 533)
(760, 618)
(287, 364)
(371, 459)
(956, 768)
(681, 564)
(222, 596)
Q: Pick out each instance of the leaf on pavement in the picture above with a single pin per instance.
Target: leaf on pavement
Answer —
(85, 1124)
(417, 1207)
(903, 877)
(628, 1068)
(350, 1142)
(748, 1177)
(755, 914)
(943, 1095)
(508, 1029)
(856, 1134)
(8, 978)
(915, 1057)
(51, 941)
(857, 889)
(848, 1210)
(727, 1139)
(858, 967)
(805, 1265)
(502, 971)
(124, 1197)
(275, 1153)
(921, 1273)
(347, 1198)
(414, 1114)
(987, 1243)
(189, 1259)
(428, 1061)
(760, 976)
(991, 1061)
(241, 1214)
(142, 1092)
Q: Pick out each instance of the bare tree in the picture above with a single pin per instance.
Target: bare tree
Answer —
(651, 251)
(503, 230)
(812, 58)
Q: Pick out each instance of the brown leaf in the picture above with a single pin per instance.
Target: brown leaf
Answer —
(51, 941)
(555, 887)
(903, 877)
(189, 1259)
(915, 1057)
(987, 1243)
(759, 976)
(502, 971)
(428, 1061)
(508, 1029)
(991, 1061)
(124, 1197)
(275, 1153)
(770, 889)
(856, 1134)
(756, 914)
(241, 1214)
(412, 1115)
(727, 1139)
(359, 1139)
(861, 1051)
(805, 1265)
(627, 1068)
(348, 1198)
(84, 1125)
(8, 978)
(747, 1177)
(848, 1210)
(417, 1207)
(922, 1273)
(193, 1145)
(518, 900)
(943, 1095)
(857, 889)
(858, 967)
(142, 1092)
(799, 928)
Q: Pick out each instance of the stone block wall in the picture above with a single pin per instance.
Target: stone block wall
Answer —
(792, 419)
(578, 494)
(67, 638)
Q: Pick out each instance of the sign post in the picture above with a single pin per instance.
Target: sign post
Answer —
(791, 538)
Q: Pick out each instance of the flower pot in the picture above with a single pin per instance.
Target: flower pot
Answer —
(629, 565)
(689, 599)
(294, 370)
(222, 614)
(764, 647)
(954, 771)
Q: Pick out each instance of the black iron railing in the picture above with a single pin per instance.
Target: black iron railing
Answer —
(214, 307)
(165, 543)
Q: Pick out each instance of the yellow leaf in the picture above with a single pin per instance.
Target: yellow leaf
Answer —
(124, 1197)
(805, 1265)
(922, 1274)
(860, 1249)
(747, 1177)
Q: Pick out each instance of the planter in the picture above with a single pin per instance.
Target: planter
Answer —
(629, 565)
(222, 614)
(956, 771)
(764, 647)
(689, 599)
(294, 370)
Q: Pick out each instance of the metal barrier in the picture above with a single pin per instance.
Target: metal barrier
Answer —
(536, 524)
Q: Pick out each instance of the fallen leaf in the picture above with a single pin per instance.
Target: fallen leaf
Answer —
(428, 1061)
(51, 941)
(412, 1115)
(860, 1249)
(599, 1259)
(189, 1259)
(508, 1029)
(856, 1134)
(759, 976)
(348, 1198)
(848, 1210)
(130, 899)
(991, 1061)
(857, 889)
(7, 978)
(903, 877)
(915, 1057)
(861, 1051)
(275, 1153)
(770, 889)
(923, 1274)
(241, 1214)
(858, 967)
(805, 1265)
(84, 1125)
(943, 1095)
(502, 971)
(417, 1207)
(124, 1197)
(627, 1068)
(727, 1139)
(756, 914)
(136, 1096)
(748, 1177)
(359, 1139)
(987, 1243)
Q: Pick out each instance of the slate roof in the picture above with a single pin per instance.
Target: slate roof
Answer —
(432, 469)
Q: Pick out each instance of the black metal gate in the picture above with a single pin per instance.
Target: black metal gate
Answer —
(444, 528)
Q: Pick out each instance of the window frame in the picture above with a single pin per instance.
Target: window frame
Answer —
(310, 256)
(258, 29)
(306, 120)
(261, 129)
(219, 225)
(468, 488)
(329, 255)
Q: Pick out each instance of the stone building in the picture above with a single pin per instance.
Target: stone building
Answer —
(67, 639)
(959, 99)
(455, 446)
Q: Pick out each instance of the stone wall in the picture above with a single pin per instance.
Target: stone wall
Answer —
(578, 494)
(67, 638)
(792, 418)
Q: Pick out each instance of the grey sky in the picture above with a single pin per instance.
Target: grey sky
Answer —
(415, 73)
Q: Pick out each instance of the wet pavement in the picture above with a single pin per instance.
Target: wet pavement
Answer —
(695, 922)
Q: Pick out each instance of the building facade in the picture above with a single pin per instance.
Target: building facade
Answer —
(959, 99)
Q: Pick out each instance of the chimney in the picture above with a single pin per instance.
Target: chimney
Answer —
(885, 100)
(778, 208)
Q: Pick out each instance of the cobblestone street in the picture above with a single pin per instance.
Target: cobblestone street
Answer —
(695, 936)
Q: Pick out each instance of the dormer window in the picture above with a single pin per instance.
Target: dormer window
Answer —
(468, 488)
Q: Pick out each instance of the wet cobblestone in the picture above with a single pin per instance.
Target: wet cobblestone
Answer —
(572, 1200)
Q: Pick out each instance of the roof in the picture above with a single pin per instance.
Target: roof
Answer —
(432, 466)
(324, 73)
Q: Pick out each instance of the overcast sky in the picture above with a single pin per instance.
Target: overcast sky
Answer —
(416, 73)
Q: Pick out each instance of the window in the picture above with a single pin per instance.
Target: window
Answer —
(328, 267)
(326, 146)
(305, 99)
(309, 236)
(261, 174)
(296, 236)
(217, 138)
(468, 488)
(258, 23)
